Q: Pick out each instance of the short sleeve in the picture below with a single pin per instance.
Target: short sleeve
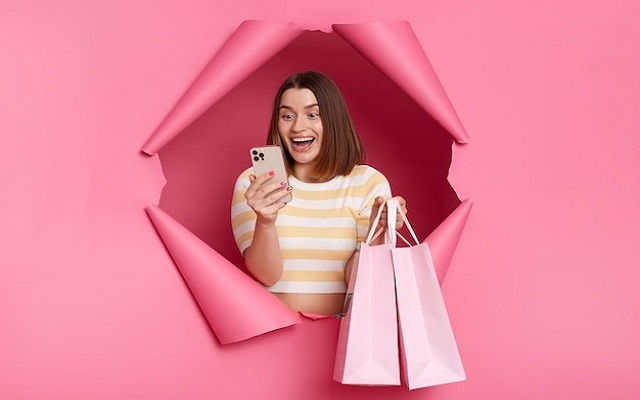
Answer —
(243, 218)
(376, 184)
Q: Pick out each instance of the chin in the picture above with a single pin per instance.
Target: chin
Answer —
(305, 159)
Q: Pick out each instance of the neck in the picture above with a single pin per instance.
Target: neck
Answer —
(304, 173)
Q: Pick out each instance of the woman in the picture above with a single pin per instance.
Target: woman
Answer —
(303, 250)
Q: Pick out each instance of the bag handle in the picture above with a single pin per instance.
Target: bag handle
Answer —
(375, 231)
(393, 209)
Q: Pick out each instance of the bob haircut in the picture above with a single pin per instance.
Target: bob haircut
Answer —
(341, 147)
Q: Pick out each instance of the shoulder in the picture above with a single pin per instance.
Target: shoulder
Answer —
(371, 181)
(245, 174)
(366, 169)
(366, 173)
(242, 182)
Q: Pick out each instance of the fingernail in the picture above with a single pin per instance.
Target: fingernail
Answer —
(283, 183)
(289, 189)
(272, 173)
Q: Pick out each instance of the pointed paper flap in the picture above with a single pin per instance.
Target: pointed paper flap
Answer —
(250, 46)
(236, 307)
(444, 239)
(394, 48)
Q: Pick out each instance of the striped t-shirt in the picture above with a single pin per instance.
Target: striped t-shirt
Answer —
(318, 230)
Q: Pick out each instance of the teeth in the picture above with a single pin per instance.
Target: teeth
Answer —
(301, 140)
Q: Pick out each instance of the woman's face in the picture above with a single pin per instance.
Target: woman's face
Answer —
(300, 127)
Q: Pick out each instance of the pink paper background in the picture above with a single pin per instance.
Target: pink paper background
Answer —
(543, 289)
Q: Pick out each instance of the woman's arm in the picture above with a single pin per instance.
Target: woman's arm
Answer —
(262, 257)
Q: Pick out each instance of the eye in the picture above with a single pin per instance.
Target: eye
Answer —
(287, 117)
(314, 115)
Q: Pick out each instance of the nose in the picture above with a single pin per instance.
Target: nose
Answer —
(299, 124)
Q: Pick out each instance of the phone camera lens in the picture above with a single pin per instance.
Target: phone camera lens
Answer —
(256, 158)
(262, 155)
(254, 152)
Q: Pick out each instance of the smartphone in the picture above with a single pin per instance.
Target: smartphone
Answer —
(269, 158)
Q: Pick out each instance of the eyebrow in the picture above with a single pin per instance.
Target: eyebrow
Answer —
(306, 107)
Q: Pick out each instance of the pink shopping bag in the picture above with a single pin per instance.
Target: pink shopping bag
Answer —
(428, 351)
(367, 351)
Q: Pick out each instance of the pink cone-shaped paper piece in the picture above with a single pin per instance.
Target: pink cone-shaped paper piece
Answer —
(250, 46)
(394, 48)
(236, 307)
(444, 239)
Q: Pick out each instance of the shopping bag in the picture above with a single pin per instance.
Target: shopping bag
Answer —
(428, 352)
(367, 352)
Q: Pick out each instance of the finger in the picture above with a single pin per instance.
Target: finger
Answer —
(399, 217)
(253, 187)
(257, 183)
(261, 187)
(276, 195)
(269, 188)
(260, 179)
(402, 203)
(383, 218)
(376, 204)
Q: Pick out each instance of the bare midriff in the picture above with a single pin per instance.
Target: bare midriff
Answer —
(316, 303)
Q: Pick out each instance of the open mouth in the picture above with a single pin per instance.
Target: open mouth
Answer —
(302, 143)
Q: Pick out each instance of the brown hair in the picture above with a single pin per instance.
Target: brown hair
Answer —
(341, 147)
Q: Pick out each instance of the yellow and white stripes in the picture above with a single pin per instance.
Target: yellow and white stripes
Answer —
(318, 230)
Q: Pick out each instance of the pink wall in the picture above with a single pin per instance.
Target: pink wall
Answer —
(542, 291)
(401, 140)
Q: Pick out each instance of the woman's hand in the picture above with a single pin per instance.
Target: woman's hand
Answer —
(382, 224)
(265, 198)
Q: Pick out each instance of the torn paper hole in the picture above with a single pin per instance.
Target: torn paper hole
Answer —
(203, 147)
